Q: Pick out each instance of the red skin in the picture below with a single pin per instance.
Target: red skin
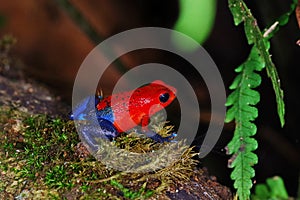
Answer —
(134, 108)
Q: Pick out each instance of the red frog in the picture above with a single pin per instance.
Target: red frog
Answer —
(121, 112)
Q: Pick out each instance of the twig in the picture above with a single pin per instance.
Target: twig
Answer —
(271, 29)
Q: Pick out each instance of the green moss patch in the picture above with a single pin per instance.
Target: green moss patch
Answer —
(41, 156)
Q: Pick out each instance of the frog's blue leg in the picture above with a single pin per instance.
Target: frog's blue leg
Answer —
(108, 128)
(91, 133)
(158, 138)
(94, 127)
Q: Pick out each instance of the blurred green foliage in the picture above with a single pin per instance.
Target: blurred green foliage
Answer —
(196, 19)
(273, 189)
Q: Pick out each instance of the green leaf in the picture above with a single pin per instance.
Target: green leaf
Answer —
(241, 13)
(272, 73)
(277, 188)
(230, 114)
(236, 12)
(249, 128)
(262, 191)
(253, 80)
(251, 97)
(242, 174)
(248, 113)
(242, 101)
(236, 82)
(273, 189)
(250, 34)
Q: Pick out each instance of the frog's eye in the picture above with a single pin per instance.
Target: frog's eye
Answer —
(164, 97)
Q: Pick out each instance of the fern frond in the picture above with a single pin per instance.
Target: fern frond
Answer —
(241, 13)
(241, 102)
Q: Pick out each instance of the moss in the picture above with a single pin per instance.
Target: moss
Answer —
(39, 157)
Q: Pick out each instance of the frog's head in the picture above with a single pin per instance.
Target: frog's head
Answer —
(154, 96)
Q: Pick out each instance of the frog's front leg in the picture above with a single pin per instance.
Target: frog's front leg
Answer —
(153, 135)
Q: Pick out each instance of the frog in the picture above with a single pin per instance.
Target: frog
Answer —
(123, 111)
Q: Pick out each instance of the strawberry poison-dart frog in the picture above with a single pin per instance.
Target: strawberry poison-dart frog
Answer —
(120, 112)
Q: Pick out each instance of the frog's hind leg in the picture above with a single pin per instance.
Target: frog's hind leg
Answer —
(91, 133)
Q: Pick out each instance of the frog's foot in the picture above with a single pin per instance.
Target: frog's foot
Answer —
(158, 138)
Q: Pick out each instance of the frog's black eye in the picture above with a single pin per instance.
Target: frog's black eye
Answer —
(164, 97)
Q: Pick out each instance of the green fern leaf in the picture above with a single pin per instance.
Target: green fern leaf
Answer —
(241, 13)
(241, 104)
(244, 181)
(238, 14)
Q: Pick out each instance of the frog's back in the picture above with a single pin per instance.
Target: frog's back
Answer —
(105, 110)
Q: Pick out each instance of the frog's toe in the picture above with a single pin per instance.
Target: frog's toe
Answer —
(173, 135)
(158, 138)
